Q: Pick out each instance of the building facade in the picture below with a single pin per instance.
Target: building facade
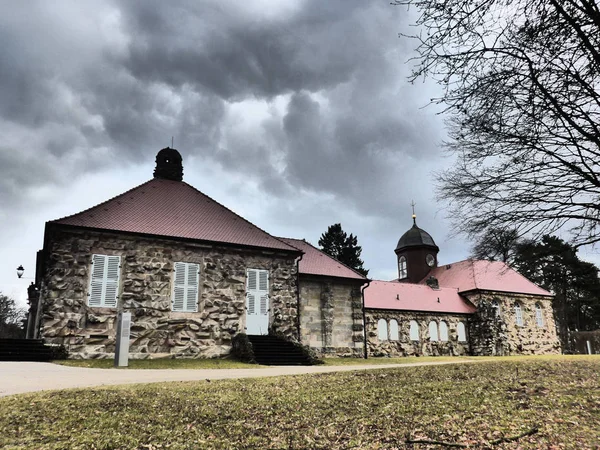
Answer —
(193, 274)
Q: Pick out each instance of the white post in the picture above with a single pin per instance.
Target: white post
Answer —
(589, 347)
(122, 343)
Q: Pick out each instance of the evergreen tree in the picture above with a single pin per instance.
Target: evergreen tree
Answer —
(554, 265)
(337, 244)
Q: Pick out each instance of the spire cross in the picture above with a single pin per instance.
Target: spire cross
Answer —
(414, 216)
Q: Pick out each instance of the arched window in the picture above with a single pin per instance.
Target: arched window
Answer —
(382, 332)
(443, 331)
(539, 315)
(402, 272)
(433, 331)
(496, 308)
(518, 314)
(394, 334)
(414, 330)
(462, 332)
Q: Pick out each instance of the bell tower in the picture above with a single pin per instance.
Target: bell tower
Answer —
(169, 165)
(417, 254)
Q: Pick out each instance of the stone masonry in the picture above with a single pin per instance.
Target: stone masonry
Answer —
(493, 331)
(147, 268)
(404, 346)
(331, 319)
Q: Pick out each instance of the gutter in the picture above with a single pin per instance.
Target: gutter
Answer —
(298, 296)
(362, 294)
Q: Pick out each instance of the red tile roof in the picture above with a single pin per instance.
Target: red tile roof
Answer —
(316, 262)
(173, 209)
(471, 275)
(415, 297)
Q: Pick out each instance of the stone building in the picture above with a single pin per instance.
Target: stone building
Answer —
(194, 274)
(469, 307)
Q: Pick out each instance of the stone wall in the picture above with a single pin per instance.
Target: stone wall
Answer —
(331, 319)
(147, 267)
(494, 331)
(404, 346)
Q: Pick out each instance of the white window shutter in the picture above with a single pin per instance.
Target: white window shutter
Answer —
(104, 281)
(96, 280)
(113, 265)
(252, 280)
(251, 303)
(185, 287)
(191, 295)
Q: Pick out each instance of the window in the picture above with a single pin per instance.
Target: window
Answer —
(394, 334)
(433, 331)
(257, 290)
(185, 287)
(443, 331)
(495, 308)
(462, 332)
(539, 315)
(402, 268)
(414, 330)
(382, 330)
(518, 315)
(104, 281)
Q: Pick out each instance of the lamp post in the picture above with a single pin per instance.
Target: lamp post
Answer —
(33, 320)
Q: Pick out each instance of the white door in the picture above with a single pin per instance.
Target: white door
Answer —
(257, 301)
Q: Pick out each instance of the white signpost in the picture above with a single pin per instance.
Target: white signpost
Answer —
(122, 344)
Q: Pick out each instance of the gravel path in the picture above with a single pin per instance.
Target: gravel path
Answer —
(21, 377)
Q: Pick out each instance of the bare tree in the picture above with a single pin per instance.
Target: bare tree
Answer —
(522, 92)
(11, 318)
(497, 245)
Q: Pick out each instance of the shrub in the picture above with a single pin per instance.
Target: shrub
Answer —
(241, 348)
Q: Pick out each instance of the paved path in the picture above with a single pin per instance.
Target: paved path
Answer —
(21, 377)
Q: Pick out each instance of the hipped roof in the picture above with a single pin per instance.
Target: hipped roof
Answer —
(316, 262)
(174, 209)
(471, 275)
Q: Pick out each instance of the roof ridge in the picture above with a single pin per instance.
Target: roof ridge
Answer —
(102, 203)
(237, 215)
(329, 256)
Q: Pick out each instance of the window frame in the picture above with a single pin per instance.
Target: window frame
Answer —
(443, 337)
(461, 326)
(381, 336)
(539, 315)
(433, 326)
(518, 310)
(105, 281)
(414, 331)
(402, 268)
(186, 287)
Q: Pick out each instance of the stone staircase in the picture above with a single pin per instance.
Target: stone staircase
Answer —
(26, 350)
(275, 351)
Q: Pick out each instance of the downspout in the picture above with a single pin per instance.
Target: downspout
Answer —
(298, 296)
(362, 293)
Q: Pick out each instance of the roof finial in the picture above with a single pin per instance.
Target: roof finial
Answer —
(414, 216)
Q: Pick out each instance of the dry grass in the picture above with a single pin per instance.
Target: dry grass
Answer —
(470, 404)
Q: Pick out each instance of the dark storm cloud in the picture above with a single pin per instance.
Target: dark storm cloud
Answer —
(122, 83)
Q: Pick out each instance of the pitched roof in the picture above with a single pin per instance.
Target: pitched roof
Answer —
(415, 297)
(471, 275)
(173, 209)
(316, 262)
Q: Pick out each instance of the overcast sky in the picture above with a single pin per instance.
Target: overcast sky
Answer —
(295, 114)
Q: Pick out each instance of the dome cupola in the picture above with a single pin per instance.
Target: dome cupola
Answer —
(417, 254)
(169, 165)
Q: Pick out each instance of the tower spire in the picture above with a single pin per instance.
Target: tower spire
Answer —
(414, 216)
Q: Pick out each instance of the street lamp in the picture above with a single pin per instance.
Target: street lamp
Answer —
(20, 271)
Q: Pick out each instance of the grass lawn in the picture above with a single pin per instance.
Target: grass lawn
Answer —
(556, 399)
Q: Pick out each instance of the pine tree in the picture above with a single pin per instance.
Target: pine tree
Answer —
(337, 244)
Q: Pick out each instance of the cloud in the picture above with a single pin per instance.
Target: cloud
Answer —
(302, 104)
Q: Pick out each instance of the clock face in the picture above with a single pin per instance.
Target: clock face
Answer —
(430, 260)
